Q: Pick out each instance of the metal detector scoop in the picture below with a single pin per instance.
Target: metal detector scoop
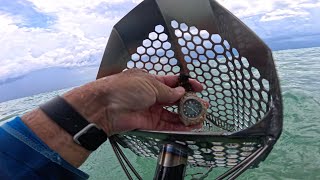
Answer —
(202, 39)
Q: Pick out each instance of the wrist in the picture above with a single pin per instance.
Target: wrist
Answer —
(55, 137)
(88, 101)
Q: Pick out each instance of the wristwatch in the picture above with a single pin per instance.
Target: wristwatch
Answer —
(192, 109)
(87, 135)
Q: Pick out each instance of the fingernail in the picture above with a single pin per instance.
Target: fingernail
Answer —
(180, 90)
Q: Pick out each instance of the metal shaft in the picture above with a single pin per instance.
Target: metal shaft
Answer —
(172, 162)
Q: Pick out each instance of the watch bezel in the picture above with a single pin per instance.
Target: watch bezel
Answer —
(191, 120)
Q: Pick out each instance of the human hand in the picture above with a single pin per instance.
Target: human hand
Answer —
(134, 99)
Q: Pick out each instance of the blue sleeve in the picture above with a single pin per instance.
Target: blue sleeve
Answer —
(24, 156)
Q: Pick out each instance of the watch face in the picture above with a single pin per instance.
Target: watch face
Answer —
(192, 108)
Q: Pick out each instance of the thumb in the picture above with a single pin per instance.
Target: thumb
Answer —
(166, 94)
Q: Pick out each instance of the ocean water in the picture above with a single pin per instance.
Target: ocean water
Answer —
(295, 156)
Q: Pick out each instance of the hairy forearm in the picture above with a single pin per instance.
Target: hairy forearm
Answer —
(55, 137)
(85, 100)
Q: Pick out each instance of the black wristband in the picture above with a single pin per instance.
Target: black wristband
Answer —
(86, 134)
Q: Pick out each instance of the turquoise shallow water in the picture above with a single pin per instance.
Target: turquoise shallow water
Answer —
(295, 156)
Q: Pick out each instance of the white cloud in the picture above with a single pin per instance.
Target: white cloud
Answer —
(76, 38)
(283, 13)
(78, 34)
(273, 9)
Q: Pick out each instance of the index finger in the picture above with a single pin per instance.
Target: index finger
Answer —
(172, 81)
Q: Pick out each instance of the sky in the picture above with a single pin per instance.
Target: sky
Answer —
(54, 44)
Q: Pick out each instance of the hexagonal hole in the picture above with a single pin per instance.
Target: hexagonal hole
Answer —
(153, 36)
(178, 33)
(151, 51)
(209, 83)
(200, 49)
(213, 63)
(183, 27)
(130, 64)
(148, 65)
(204, 34)
(153, 72)
(166, 45)
(265, 96)
(187, 59)
(176, 69)
(145, 58)
(190, 46)
(225, 77)
(245, 62)
(237, 64)
(229, 56)
(162, 73)
(173, 61)
(200, 78)
(156, 44)
(218, 88)
(198, 71)
(226, 85)
(235, 53)
(239, 75)
(215, 72)
(187, 36)
(247, 84)
(217, 148)
(190, 67)
(163, 37)
(246, 74)
(174, 24)
(164, 60)
(218, 49)
(255, 95)
(255, 72)
(230, 65)
(223, 68)
(247, 94)
(226, 44)
(266, 84)
(159, 29)
(207, 44)
(181, 42)
(212, 97)
(170, 54)
(167, 68)
(146, 43)
(141, 50)
(185, 50)
(139, 65)
(254, 106)
(221, 59)
(255, 84)
(135, 57)
(194, 54)
(216, 38)
(239, 84)
(196, 63)
(160, 52)
(193, 30)
(203, 58)
(205, 67)
(210, 54)
(154, 59)
(197, 40)
(158, 67)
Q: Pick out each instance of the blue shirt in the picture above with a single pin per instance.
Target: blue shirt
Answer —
(24, 156)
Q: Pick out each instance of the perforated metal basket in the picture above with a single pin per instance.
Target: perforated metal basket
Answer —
(235, 67)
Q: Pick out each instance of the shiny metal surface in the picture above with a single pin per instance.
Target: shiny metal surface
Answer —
(201, 39)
